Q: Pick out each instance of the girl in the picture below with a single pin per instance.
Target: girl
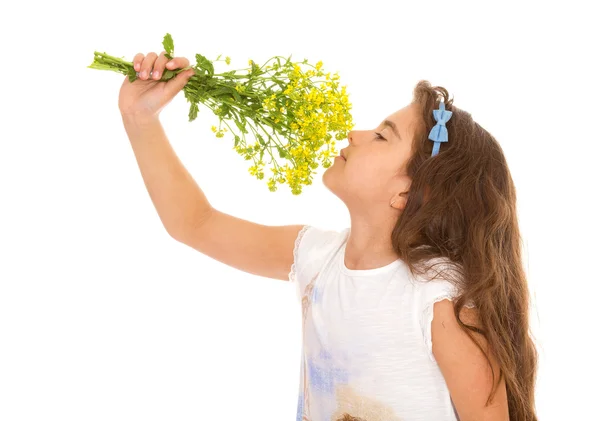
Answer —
(419, 310)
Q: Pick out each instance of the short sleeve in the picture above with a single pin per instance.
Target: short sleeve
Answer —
(430, 293)
(312, 248)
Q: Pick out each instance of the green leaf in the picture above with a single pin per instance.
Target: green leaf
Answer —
(208, 82)
(205, 64)
(131, 73)
(220, 91)
(193, 112)
(237, 140)
(281, 151)
(168, 45)
(224, 110)
(241, 126)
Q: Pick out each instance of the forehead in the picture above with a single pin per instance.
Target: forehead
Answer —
(404, 119)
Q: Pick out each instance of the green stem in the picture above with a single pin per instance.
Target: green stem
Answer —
(268, 147)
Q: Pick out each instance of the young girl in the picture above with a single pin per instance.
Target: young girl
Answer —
(419, 310)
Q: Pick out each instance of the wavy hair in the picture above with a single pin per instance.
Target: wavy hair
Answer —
(461, 207)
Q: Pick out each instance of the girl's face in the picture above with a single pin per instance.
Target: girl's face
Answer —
(374, 171)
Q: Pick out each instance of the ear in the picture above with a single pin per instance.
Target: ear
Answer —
(399, 201)
(403, 185)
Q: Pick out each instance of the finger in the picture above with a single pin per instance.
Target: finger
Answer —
(178, 63)
(137, 61)
(147, 65)
(176, 84)
(159, 66)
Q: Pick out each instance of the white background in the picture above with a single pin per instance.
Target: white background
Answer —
(103, 316)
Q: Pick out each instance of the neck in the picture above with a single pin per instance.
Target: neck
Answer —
(369, 244)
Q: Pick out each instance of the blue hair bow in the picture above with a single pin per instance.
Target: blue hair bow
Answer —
(439, 132)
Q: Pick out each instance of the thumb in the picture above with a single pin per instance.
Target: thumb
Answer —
(176, 84)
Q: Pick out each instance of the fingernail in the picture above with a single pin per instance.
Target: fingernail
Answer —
(143, 75)
(170, 64)
(137, 66)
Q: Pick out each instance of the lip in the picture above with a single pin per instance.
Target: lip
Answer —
(342, 155)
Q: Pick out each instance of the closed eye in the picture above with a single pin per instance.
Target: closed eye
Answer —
(379, 137)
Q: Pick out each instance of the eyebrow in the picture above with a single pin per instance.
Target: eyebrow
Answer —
(393, 126)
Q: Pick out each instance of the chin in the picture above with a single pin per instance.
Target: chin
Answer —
(331, 181)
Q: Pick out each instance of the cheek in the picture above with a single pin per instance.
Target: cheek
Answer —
(365, 175)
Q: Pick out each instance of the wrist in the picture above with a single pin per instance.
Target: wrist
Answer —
(139, 119)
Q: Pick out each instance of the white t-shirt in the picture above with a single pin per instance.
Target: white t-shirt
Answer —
(366, 348)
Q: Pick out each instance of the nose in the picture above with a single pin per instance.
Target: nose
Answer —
(350, 136)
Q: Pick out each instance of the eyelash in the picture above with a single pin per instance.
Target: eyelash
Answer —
(380, 137)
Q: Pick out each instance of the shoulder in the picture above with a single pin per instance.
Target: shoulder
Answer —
(311, 236)
(442, 280)
(432, 295)
(313, 243)
(449, 340)
(312, 249)
(445, 318)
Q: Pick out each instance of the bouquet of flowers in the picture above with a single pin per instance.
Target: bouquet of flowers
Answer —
(294, 111)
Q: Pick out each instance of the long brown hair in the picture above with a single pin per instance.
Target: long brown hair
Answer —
(461, 207)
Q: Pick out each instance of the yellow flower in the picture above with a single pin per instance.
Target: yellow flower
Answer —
(228, 60)
(317, 116)
(214, 129)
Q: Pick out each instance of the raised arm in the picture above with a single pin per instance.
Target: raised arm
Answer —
(182, 206)
(254, 248)
(189, 218)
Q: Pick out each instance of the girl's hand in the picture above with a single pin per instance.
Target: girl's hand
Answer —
(148, 95)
